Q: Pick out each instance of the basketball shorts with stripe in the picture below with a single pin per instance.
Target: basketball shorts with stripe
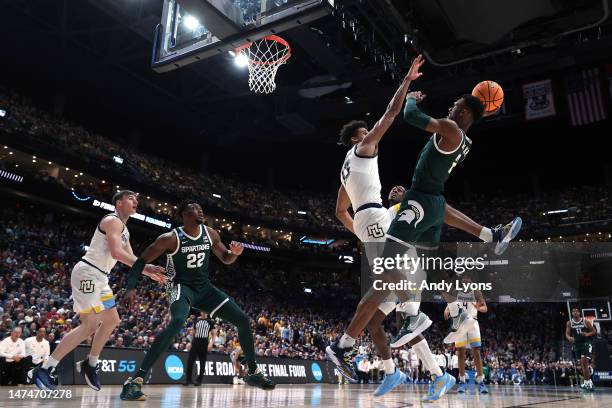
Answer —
(90, 289)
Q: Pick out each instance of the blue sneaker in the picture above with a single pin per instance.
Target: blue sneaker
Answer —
(482, 388)
(440, 386)
(390, 382)
(341, 357)
(44, 378)
(89, 373)
(461, 387)
(506, 233)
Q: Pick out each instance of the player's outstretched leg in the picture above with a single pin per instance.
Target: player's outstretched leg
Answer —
(45, 375)
(393, 376)
(503, 234)
(442, 382)
(179, 310)
(231, 312)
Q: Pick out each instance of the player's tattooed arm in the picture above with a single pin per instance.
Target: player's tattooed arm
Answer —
(369, 144)
(568, 333)
(225, 255)
(343, 203)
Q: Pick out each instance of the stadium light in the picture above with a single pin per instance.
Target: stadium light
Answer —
(241, 60)
(191, 23)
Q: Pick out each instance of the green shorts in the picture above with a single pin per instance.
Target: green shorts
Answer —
(419, 220)
(208, 298)
(583, 350)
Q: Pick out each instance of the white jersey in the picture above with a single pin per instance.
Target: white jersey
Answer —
(98, 253)
(467, 299)
(359, 176)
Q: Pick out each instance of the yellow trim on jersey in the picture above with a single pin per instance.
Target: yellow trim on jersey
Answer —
(464, 343)
(106, 297)
(394, 209)
(96, 309)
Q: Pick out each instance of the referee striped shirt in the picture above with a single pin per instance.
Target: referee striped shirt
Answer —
(202, 328)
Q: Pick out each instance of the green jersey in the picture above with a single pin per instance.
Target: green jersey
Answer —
(577, 328)
(434, 165)
(188, 264)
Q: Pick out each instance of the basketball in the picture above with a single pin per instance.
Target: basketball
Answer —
(490, 94)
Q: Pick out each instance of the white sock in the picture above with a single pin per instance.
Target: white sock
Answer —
(409, 308)
(51, 362)
(346, 341)
(453, 308)
(389, 366)
(462, 378)
(424, 354)
(479, 379)
(486, 234)
(93, 360)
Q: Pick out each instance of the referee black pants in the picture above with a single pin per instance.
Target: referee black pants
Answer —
(199, 349)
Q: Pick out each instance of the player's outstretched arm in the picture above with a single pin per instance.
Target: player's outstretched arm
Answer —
(447, 129)
(164, 243)
(368, 145)
(225, 255)
(343, 202)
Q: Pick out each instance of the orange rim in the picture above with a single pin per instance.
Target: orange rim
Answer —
(275, 38)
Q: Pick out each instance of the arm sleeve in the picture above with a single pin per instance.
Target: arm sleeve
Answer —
(134, 273)
(414, 116)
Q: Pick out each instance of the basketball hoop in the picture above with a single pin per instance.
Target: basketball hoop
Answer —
(264, 57)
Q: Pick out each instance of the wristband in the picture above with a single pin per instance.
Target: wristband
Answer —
(134, 273)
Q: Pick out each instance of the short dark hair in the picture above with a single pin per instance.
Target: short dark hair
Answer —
(348, 131)
(120, 194)
(183, 207)
(474, 105)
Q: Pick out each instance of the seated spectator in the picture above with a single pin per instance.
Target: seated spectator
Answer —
(37, 348)
(13, 365)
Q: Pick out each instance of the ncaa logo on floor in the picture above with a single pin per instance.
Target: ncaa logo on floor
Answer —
(316, 371)
(174, 367)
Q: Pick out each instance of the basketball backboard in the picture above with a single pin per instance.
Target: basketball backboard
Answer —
(192, 30)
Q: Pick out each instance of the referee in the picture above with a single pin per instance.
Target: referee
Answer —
(199, 348)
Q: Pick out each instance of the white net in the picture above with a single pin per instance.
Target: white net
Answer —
(264, 57)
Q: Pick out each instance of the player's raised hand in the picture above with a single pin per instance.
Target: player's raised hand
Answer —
(413, 72)
(236, 248)
(418, 95)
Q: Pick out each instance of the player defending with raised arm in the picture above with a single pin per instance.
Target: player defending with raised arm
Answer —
(93, 298)
(188, 249)
(360, 189)
(580, 332)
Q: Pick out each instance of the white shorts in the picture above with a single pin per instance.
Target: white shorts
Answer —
(90, 289)
(371, 226)
(471, 338)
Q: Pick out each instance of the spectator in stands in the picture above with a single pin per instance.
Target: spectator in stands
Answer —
(37, 348)
(13, 364)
